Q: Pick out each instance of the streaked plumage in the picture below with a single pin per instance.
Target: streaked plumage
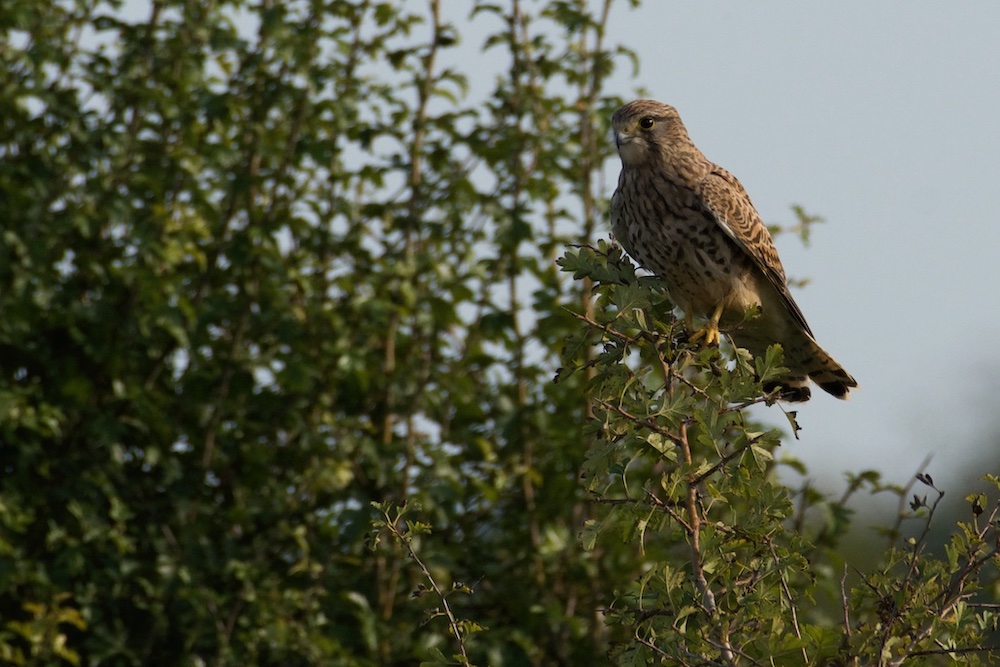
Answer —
(691, 222)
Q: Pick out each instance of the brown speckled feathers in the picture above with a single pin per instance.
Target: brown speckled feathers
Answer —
(693, 224)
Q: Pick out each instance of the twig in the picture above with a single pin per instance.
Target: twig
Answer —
(642, 421)
(895, 532)
(694, 520)
(723, 461)
(730, 653)
(702, 661)
(963, 650)
(407, 541)
(844, 603)
(788, 596)
(669, 510)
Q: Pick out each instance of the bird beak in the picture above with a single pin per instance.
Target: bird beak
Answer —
(622, 137)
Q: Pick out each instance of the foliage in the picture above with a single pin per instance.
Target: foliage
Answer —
(262, 266)
(281, 313)
(732, 565)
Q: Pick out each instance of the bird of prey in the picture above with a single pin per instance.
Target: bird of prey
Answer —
(691, 223)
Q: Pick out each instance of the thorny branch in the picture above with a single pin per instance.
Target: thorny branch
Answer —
(694, 523)
(406, 539)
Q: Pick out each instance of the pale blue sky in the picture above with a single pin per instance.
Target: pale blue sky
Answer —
(882, 118)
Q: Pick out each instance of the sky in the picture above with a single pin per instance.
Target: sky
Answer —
(883, 119)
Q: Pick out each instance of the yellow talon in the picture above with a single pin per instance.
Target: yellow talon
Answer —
(710, 332)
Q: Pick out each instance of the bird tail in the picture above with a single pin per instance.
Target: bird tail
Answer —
(806, 360)
(827, 373)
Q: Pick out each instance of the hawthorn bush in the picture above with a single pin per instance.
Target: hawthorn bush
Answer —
(731, 565)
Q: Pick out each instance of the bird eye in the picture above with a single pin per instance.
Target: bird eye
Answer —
(646, 123)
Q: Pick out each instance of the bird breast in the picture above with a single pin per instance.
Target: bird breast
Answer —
(666, 230)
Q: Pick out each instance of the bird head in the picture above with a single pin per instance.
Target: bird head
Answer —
(646, 129)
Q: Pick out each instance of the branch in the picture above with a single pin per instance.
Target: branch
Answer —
(961, 651)
(643, 421)
(694, 522)
(407, 540)
(903, 494)
(788, 596)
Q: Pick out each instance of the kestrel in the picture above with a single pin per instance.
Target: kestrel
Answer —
(691, 223)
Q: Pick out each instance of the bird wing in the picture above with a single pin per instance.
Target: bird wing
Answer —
(729, 204)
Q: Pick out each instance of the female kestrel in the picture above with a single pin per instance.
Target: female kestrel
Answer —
(691, 222)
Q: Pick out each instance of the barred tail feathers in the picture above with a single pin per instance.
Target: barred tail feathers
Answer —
(827, 373)
(805, 361)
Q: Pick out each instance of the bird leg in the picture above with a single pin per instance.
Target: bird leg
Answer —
(710, 332)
